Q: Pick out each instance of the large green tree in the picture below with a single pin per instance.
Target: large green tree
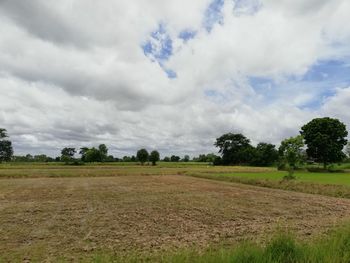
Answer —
(142, 156)
(234, 148)
(6, 150)
(154, 157)
(325, 139)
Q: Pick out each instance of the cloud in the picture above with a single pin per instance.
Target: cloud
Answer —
(168, 75)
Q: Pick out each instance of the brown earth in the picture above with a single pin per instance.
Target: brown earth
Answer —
(48, 217)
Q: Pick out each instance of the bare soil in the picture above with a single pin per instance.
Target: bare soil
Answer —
(51, 217)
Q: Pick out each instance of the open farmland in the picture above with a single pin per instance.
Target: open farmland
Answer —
(73, 217)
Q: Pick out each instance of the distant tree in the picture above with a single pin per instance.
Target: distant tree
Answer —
(110, 159)
(186, 158)
(133, 158)
(175, 158)
(83, 152)
(67, 154)
(6, 150)
(142, 156)
(234, 148)
(103, 152)
(126, 159)
(291, 152)
(325, 139)
(41, 158)
(265, 154)
(154, 157)
(93, 155)
(166, 159)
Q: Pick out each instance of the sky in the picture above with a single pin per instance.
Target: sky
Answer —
(169, 75)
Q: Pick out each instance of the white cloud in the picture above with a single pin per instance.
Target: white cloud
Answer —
(74, 73)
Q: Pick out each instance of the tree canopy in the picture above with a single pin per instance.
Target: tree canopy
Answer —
(325, 139)
(234, 148)
(154, 157)
(291, 151)
(6, 150)
(142, 156)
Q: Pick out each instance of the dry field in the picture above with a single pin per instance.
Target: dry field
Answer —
(47, 218)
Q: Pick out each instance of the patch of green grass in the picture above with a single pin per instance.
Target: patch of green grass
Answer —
(306, 182)
(320, 178)
(282, 248)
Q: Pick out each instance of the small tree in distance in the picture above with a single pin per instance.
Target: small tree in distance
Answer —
(67, 154)
(142, 156)
(154, 157)
(291, 152)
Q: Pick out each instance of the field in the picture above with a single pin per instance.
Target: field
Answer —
(71, 213)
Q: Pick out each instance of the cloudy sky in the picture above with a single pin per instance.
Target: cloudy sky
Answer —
(169, 75)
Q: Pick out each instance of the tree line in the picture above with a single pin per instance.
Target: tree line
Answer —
(322, 140)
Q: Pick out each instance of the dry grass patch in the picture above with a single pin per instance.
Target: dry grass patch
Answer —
(52, 217)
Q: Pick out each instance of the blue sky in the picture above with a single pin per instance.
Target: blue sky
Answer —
(169, 75)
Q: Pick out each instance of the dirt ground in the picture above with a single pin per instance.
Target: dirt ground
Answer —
(72, 216)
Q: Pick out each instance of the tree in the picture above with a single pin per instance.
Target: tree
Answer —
(166, 159)
(83, 152)
(291, 152)
(175, 158)
(93, 155)
(234, 148)
(325, 139)
(154, 157)
(186, 158)
(6, 150)
(103, 152)
(265, 154)
(67, 154)
(142, 156)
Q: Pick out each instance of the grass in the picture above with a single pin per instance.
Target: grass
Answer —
(44, 219)
(320, 178)
(38, 170)
(282, 248)
(125, 212)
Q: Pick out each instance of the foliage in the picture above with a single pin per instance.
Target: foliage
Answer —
(103, 152)
(283, 247)
(99, 154)
(67, 154)
(234, 148)
(205, 158)
(6, 150)
(142, 156)
(166, 159)
(175, 158)
(325, 139)
(83, 152)
(186, 158)
(265, 154)
(291, 152)
(93, 155)
(154, 157)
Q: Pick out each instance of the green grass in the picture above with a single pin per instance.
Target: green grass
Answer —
(321, 178)
(282, 248)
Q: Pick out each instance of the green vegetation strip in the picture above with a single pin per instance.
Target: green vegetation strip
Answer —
(329, 184)
(282, 248)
